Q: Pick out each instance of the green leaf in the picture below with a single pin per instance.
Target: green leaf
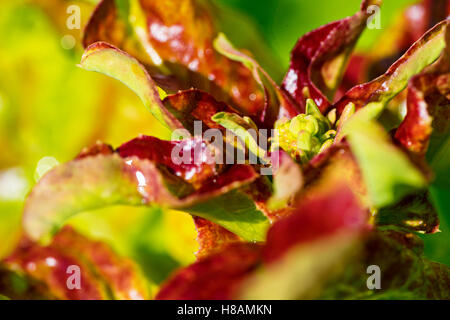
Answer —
(107, 59)
(375, 95)
(387, 171)
(77, 186)
(235, 212)
(243, 128)
(287, 181)
(111, 180)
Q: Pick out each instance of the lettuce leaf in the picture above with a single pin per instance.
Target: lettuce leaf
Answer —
(145, 177)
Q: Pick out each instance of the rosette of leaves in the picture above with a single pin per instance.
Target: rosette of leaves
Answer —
(343, 194)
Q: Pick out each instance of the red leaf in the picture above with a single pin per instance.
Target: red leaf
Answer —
(314, 71)
(211, 237)
(428, 98)
(200, 163)
(216, 277)
(319, 214)
(181, 33)
(190, 105)
(97, 263)
(395, 78)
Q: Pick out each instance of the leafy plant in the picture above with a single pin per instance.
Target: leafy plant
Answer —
(343, 194)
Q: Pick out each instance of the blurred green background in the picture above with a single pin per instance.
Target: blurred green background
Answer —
(50, 110)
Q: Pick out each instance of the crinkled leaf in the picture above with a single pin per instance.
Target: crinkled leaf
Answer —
(103, 275)
(425, 129)
(90, 183)
(415, 130)
(374, 95)
(107, 59)
(428, 99)
(183, 32)
(145, 178)
(319, 58)
(394, 40)
(122, 24)
(178, 36)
